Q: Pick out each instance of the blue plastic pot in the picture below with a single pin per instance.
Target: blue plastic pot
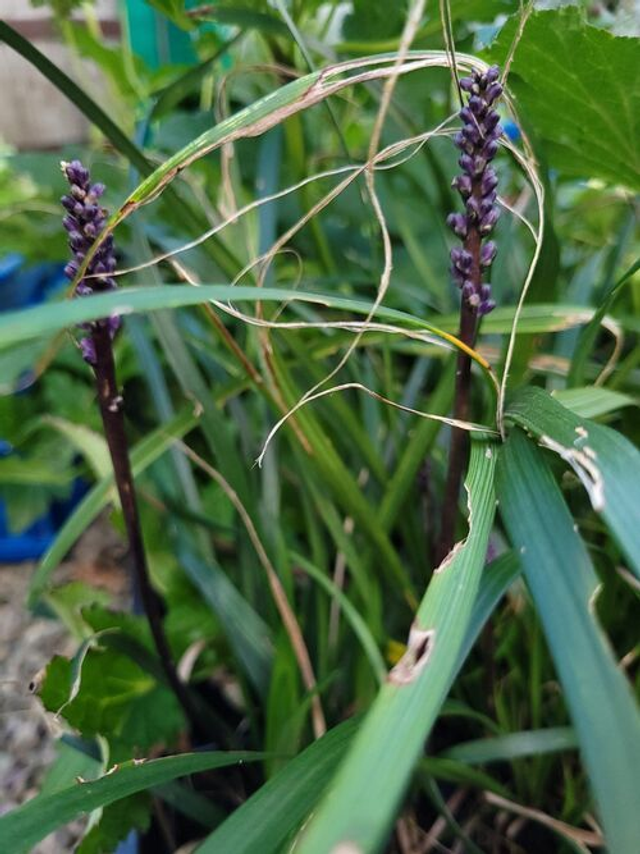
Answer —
(20, 288)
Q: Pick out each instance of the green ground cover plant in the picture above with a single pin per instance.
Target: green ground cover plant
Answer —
(350, 349)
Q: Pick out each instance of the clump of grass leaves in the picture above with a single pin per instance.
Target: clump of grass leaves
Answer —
(352, 661)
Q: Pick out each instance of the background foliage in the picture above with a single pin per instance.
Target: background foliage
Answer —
(516, 728)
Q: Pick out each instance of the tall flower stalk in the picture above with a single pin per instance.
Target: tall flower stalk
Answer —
(471, 262)
(84, 222)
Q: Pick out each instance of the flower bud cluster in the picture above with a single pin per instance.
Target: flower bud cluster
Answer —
(84, 221)
(478, 142)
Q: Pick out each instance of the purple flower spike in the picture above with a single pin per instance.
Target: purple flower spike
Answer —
(489, 181)
(493, 93)
(461, 259)
(88, 350)
(478, 142)
(462, 183)
(458, 223)
(488, 221)
(84, 222)
(467, 164)
(490, 149)
(477, 105)
(468, 290)
(488, 253)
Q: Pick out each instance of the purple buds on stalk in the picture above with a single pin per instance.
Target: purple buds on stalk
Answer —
(478, 142)
(84, 222)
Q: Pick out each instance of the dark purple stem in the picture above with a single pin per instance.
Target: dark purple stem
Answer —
(110, 401)
(84, 222)
(459, 450)
(478, 142)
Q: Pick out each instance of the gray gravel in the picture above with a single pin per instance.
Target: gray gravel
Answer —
(27, 643)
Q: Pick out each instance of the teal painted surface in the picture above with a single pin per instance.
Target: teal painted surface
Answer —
(157, 41)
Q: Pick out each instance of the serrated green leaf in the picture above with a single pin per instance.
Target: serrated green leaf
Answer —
(563, 584)
(114, 698)
(578, 86)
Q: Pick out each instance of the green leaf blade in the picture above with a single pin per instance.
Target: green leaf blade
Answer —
(264, 822)
(563, 585)
(392, 736)
(23, 827)
(607, 462)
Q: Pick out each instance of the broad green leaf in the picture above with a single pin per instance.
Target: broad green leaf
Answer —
(579, 88)
(607, 464)
(111, 61)
(143, 455)
(372, 21)
(22, 828)
(563, 585)
(114, 698)
(68, 600)
(391, 738)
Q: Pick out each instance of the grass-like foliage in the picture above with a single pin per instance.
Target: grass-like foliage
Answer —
(350, 348)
